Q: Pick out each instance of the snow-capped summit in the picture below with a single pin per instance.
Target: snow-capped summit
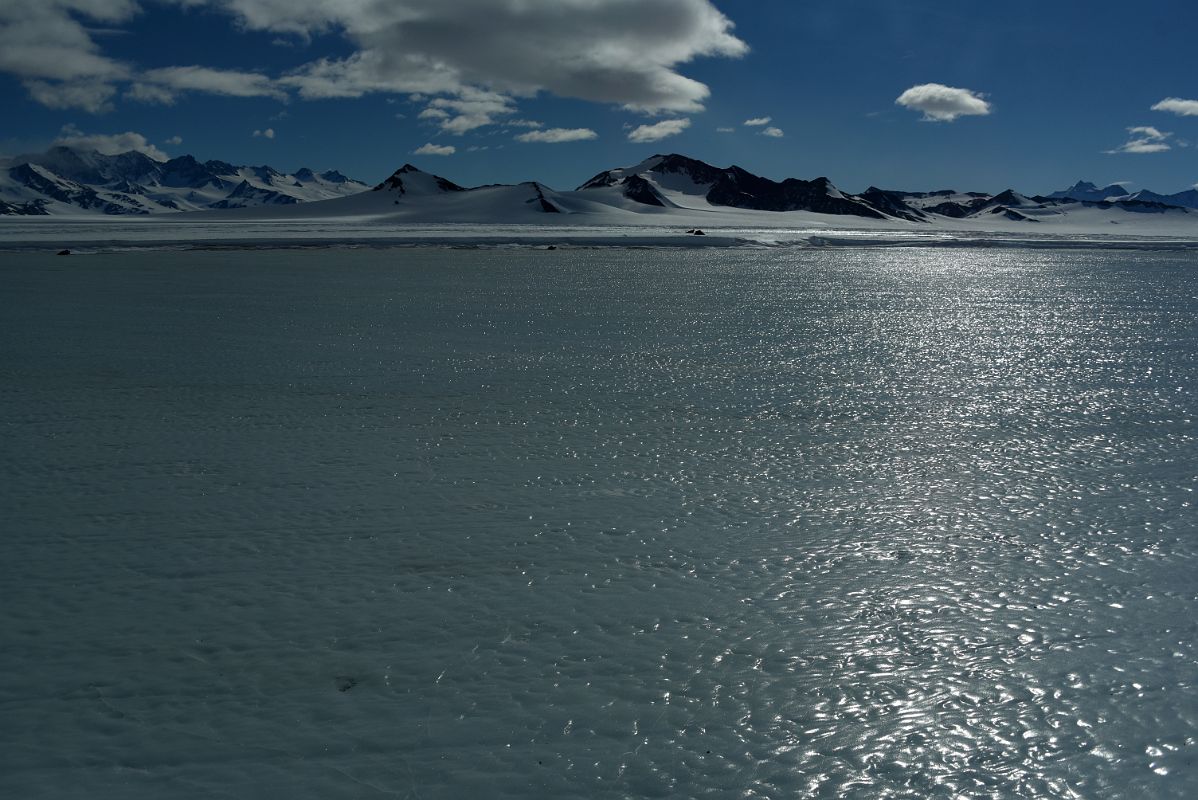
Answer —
(1086, 191)
(66, 180)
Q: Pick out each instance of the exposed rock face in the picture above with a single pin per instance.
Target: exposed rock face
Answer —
(733, 187)
(410, 179)
(638, 189)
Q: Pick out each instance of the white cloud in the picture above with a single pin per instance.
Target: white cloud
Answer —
(149, 93)
(269, 133)
(431, 149)
(940, 103)
(522, 123)
(477, 54)
(47, 46)
(773, 133)
(557, 135)
(89, 96)
(470, 109)
(1144, 139)
(725, 130)
(658, 131)
(758, 121)
(1175, 105)
(625, 52)
(175, 140)
(160, 85)
(110, 144)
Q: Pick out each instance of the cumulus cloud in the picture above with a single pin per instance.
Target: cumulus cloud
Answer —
(479, 55)
(431, 149)
(110, 144)
(1144, 139)
(175, 140)
(470, 109)
(940, 103)
(758, 121)
(773, 133)
(47, 45)
(558, 135)
(658, 131)
(1176, 105)
(625, 52)
(269, 133)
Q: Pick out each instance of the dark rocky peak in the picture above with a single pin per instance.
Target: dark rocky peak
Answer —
(409, 179)
(698, 171)
(640, 190)
(892, 204)
(220, 167)
(305, 175)
(333, 176)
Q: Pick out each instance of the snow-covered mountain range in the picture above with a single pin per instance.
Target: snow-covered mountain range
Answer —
(1116, 193)
(676, 190)
(664, 189)
(65, 180)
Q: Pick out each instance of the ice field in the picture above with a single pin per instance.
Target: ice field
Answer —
(890, 522)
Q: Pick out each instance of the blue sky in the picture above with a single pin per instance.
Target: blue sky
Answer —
(1032, 95)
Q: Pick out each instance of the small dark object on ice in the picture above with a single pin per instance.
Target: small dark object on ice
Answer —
(698, 232)
(345, 682)
(551, 247)
(64, 252)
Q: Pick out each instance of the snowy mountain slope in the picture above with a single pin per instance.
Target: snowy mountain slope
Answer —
(1186, 199)
(665, 190)
(682, 192)
(64, 180)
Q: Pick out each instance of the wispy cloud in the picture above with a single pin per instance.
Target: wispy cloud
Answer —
(558, 135)
(431, 149)
(940, 103)
(1176, 105)
(269, 133)
(725, 130)
(111, 144)
(773, 133)
(175, 140)
(1144, 139)
(162, 85)
(658, 131)
(758, 121)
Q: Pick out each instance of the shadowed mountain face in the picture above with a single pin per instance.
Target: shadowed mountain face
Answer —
(734, 187)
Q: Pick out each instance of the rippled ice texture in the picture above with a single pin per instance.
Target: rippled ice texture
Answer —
(458, 524)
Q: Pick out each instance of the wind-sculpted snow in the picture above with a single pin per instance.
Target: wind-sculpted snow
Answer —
(845, 523)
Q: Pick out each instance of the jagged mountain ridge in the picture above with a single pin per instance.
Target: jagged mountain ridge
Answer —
(65, 180)
(663, 185)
